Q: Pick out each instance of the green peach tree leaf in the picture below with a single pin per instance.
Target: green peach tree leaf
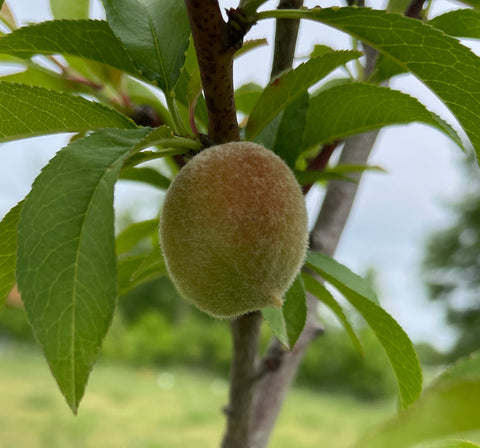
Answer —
(40, 77)
(126, 267)
(467, 369)
(152, 266)
(397, 345)
(66, 265)
(355, 108)
(246, 96)
(90, 39)
(135, 270)
(146, 175)
(447, 410)
(288, 321)
(325, 296)
(8, 251)
(442, 63)
(70, 9)
(92, 70)
(284, 134)
(155, 34)
(250, 6)
(27, 111)
(163, 138)
(288, 87)
(134, 233)
(459, 23)
(289, 134)
(339, 172)
(189, 75)
(451, 444)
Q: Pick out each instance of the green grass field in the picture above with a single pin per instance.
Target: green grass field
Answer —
(153, 408)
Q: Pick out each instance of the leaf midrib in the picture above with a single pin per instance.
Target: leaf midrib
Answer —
(76, 277)
(158, 52)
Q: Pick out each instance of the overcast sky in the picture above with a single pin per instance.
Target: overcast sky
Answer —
(393, 214)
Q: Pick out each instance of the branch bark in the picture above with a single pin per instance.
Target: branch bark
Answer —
(286, 32)
(340, 195)
(243, 377)
(215, 51)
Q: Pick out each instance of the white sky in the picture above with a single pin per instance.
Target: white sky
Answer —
(393, 214)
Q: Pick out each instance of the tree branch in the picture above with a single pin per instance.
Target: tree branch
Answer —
(243, 377)
(340, 195)
(215, 51)
(285, 39)
(272, 388)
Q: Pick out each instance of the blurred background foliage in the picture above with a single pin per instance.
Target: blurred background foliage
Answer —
(451, 265)
(154, 327)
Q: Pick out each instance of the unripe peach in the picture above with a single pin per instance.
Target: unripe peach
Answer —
(234, 229)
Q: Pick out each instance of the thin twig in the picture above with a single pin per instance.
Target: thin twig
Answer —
(285, 39)
(320, 162)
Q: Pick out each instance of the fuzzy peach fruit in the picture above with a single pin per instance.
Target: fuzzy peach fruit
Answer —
(234, 229)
